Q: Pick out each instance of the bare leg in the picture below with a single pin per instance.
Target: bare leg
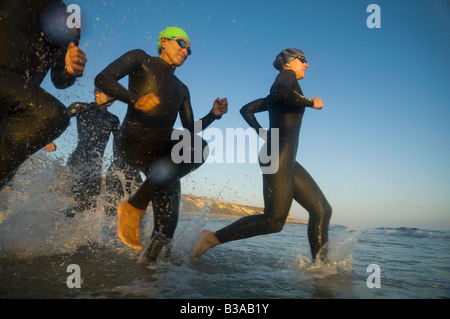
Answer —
(207, 241)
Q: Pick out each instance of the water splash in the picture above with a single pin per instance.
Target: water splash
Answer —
(32, 220)
(186, 236)
(340, 257)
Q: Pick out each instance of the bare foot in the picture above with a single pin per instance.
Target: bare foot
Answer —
(129, 224)
(207, 241)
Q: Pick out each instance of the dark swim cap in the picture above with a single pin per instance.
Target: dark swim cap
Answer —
(286, 56)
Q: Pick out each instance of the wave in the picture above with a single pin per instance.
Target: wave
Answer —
(407, 231)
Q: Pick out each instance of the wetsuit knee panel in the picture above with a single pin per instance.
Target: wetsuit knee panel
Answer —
(38, 112)
(323, 210)
(276, 225)
(54, 112)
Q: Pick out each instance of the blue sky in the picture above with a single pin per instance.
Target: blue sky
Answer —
(379, 149)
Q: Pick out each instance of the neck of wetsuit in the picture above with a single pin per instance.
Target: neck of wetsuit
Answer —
(165, 62)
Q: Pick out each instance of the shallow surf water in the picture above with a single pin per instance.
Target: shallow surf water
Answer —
(37, 244)
(274, 267)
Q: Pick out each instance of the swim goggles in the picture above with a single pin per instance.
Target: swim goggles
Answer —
(302, 59)
(182, 44)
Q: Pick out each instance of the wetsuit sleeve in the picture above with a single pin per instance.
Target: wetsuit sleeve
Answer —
(187, 116)
(61, 79)
(208, 119)
(282, 90)
(248, 112)
(108, 79)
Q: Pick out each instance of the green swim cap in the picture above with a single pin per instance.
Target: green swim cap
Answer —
(171, 32)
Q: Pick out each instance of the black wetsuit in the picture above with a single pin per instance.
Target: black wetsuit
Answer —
(286, 105)
(30, 117)
(95, 125)
(145, 137)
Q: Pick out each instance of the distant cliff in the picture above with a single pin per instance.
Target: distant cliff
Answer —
(219, 209)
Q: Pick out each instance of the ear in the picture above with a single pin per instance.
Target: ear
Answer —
(163, 42)
(287, 66)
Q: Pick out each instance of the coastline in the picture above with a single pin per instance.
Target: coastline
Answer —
(219, 209)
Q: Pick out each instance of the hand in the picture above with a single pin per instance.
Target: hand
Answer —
(318, 104)
(147, 103)
(75, 60)
(220, 107)
(50, 147)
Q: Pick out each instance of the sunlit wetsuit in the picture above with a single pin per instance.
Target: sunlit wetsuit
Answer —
(286, 105)
(30, 117)
(145, 137)
(95, 125)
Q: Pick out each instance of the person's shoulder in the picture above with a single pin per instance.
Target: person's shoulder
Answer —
(81, 108)
(285, 77)
(184, 87)
(114, 117)
(138, 53)
(79, 105)
(287, 73)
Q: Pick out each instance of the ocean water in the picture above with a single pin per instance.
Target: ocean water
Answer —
(37, 245)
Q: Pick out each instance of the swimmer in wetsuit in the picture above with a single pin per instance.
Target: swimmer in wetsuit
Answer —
(155, 97)
(286, 105)
(94, 126)
(30, 46)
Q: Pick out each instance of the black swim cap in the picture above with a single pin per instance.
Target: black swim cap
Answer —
(286, 56)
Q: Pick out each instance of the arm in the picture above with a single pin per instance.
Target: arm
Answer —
(248, 112)
(108, 79)
(186, 113)
(74, 109)
(282, 90)
(68, 67)
(220, 107)
(61, 79)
